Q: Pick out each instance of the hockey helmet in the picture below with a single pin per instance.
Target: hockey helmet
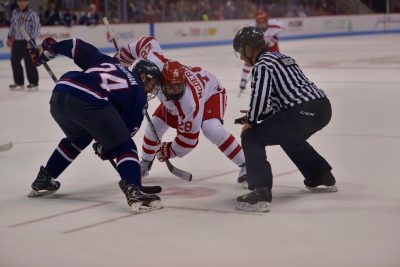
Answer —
(150, 75)
(174, 80)
(250, 36)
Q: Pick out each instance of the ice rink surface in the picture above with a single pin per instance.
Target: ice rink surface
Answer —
(88, 223)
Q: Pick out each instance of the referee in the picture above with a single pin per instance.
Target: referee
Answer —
(24, 17)
(286, 108)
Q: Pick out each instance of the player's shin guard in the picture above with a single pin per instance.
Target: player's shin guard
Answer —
(64, 154)
(128, 165)
(150, 144)
(227, 144)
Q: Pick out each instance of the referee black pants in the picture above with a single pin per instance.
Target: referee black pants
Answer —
(290, 129)
(19, 51)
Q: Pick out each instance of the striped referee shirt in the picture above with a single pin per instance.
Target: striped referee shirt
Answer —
(278, 83)
(27, 19)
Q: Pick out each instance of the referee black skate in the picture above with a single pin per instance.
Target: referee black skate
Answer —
(286, 108)
(24, 17)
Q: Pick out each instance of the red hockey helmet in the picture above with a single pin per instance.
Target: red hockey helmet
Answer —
(261, 17)
(174, 79)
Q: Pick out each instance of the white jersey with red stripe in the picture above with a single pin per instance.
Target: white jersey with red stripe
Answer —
(144, 48)
(275, 28)
(200, 86)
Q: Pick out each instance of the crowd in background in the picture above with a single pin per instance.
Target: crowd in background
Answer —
(87, 12)
(203, 10)
(53, 12)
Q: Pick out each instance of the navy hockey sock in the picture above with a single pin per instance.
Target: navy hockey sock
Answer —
(128, 167)
(64, 154)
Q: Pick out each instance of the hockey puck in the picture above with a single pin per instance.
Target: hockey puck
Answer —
(151, 189)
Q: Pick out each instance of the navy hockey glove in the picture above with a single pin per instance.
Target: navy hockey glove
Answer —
(165, 152)
(44, 52)
(99, 151)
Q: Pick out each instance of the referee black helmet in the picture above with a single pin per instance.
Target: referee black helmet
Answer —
(250, 36)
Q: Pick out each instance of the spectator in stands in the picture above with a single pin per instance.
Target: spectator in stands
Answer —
(51, 14)
(68, 18)
(89, 18)
(3, 19)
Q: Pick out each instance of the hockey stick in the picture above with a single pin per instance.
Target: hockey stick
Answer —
(174, 170)
(40, 50)
(6, 146)
(145, 189)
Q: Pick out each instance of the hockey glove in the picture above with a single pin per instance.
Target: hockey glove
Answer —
(44, 52)
(165, 152)
(125, 57)
(99, 151)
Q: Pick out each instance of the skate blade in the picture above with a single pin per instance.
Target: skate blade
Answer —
(34, 193)
(258, 207)
(323, 188)
(141, 206)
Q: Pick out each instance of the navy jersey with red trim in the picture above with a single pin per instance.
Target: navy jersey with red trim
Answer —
(102, 81)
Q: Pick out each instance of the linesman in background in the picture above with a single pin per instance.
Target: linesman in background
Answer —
(286, 108)
(24, 17)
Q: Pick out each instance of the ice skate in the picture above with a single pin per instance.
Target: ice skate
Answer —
(325, 183)
(44, 184)
(32, 87)
(242, 84)
(16, 87)
(138, 200)
(258, 200)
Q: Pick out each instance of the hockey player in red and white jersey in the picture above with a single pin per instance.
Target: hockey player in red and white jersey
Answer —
(272, 28)
(192, 100)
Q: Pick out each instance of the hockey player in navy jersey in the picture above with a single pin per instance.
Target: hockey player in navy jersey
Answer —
(104, 101)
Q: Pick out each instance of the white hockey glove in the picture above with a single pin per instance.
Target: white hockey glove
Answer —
(165, 151)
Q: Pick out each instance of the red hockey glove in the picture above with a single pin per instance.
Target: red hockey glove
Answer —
(165, 152)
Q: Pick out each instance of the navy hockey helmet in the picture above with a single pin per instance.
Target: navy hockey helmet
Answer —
(250, 36)
(150, 75)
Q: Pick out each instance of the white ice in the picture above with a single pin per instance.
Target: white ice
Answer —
(88, 223)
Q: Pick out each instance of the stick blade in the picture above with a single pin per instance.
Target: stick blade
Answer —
(6, 146)
(187, 176)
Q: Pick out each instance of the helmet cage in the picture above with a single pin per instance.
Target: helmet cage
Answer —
(152, 72)
(174, 79)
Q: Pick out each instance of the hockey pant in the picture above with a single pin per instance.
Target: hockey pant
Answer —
(212, 129)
